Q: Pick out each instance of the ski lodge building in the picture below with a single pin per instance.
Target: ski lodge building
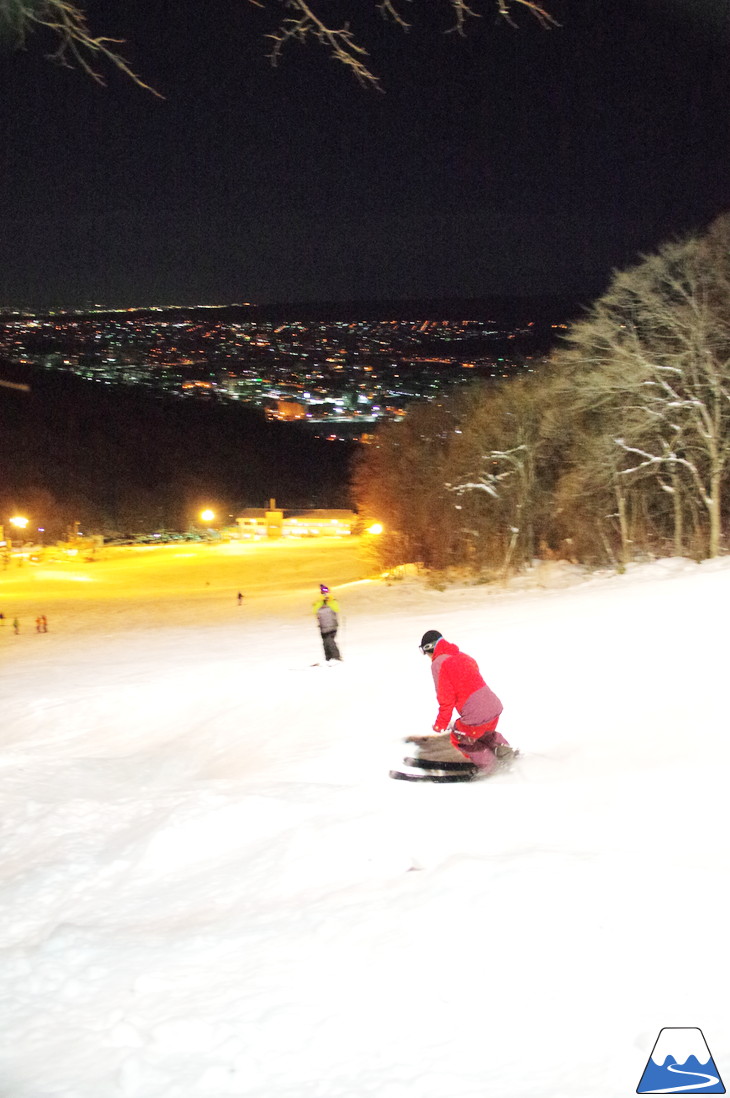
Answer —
(260, 522)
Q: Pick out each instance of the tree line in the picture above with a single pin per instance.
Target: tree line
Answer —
(616, 447)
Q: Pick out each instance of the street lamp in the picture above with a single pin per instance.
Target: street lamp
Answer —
(207, 517)
(20, 523)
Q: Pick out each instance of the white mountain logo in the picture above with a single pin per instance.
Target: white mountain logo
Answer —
(680, 1063)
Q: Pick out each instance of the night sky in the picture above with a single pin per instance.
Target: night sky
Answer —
(512, 162)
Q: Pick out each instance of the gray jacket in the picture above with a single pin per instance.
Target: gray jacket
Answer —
(327, 619)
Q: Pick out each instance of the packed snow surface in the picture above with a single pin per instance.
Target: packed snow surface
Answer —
(209, 886)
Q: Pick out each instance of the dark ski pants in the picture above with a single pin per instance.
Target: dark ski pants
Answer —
(331, 651)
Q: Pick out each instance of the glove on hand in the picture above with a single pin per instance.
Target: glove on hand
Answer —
(462, 738)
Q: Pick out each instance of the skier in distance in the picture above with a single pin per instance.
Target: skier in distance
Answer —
(326, 610)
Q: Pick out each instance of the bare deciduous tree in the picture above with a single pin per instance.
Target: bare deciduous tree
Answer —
(654, 355)
(297, 21)
(496, 459)
(399, 480)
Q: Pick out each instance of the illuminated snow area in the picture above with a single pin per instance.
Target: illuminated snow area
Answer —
(209, 886)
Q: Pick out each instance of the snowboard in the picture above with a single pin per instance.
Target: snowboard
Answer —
(426, 770)
(423, 774)
(429, 764)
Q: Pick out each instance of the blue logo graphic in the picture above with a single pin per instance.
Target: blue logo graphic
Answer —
(680, 1063)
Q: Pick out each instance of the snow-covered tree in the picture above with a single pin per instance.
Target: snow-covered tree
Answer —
(461, 481)
(495, 465)
(652, 363)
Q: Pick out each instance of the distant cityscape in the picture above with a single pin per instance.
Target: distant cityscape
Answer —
(340, 378)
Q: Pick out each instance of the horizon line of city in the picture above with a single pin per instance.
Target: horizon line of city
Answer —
(351, 308)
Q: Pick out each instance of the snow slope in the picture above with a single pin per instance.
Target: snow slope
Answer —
(209, 886)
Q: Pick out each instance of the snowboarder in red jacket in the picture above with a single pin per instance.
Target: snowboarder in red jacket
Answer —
(459, 685)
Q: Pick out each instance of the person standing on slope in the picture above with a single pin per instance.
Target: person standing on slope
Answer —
(459, 685)
(326, 610)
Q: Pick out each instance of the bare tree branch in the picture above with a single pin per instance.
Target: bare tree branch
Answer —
(302, 21)
(340, 42)
(540, 12)
(389, 11)
(76, 43)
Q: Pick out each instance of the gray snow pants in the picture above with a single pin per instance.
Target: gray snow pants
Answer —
(331, 651)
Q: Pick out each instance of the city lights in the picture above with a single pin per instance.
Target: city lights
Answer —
(337, 379)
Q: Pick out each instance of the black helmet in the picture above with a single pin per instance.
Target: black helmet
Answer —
(429, 640)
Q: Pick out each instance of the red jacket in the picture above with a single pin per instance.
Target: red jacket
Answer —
(460, 686)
